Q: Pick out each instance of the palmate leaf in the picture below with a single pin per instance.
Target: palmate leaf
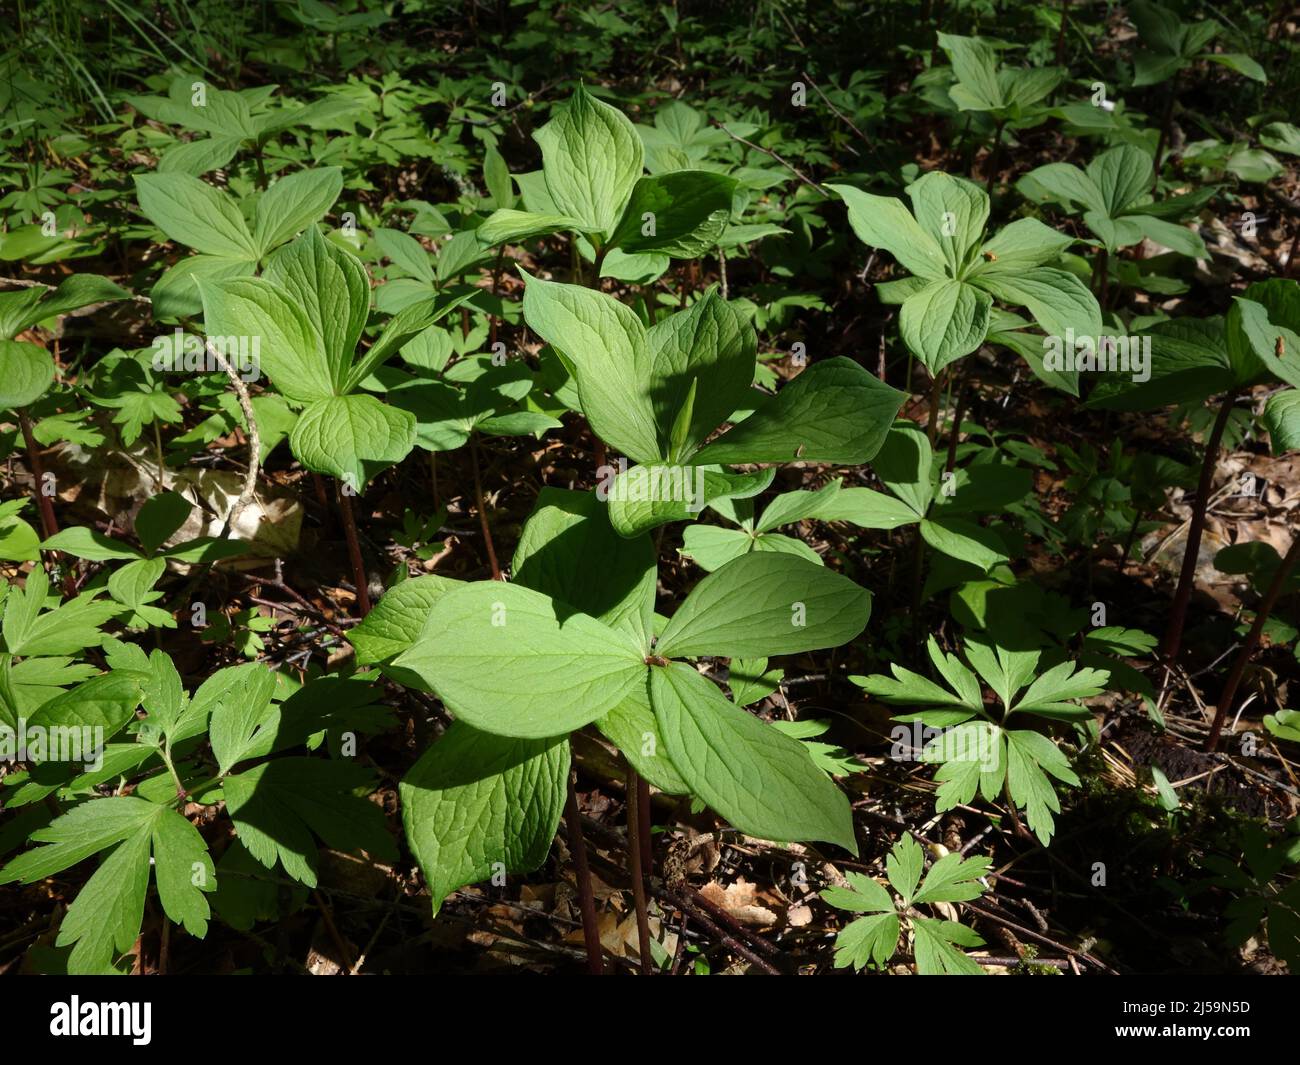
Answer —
(474, 800)
(279, 806)
(935, 945)
(104, 920)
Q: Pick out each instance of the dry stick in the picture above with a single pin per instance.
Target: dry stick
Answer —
(838, 113)
(1186, 578)
(582, 874)
(482, 511)
(354, 552)
(1225, 703)
(634, 861)
(772, 155)
(689, 906)
(254, 439)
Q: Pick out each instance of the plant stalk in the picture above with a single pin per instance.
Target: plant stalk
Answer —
(482, 512)
(1186, 578)
(582, 875)
(638, 875)
(354, 553)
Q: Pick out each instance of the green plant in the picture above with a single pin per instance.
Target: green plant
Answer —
(872, 940)
(977, 750)
(956, 273)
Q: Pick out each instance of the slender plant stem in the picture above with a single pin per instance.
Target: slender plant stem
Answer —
(1187, 577)
(954, 436)
(638, 876)
(1128, 540)
(354, 552)
(49, 523)
(582, 874)
(482, 511)
(1165, 121)
(995, 157)
(1226, 700)
(1060, 33)
(936, 390)
(44, 505)
(647, 835)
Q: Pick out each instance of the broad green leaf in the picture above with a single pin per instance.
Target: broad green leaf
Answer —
(964, 540)
(159, 518)
(944, 321)
(566, 539)
(711, 547)
(633, 728)
(510, 661)
(953, 211)
(904, 464)
(867, 509)
(1058, 300)
(474, 800)
(26, 373)
(176, 295)
(1240, 64)
(1282, 421)
(1189, 362)
(1063, 183)
(496, 176)
(290, 350)
(680, 214)
(1171, 235)
(1024, 243)
(330, 287)
(761, 781)
(295, 203)
(645, 497)
(353, 438)
(512, 227)
(105, 702)
(591, 159)
(606, 350)
(193, 213)
(974, 64)
(398, 618)
(884, 222)
(1122, 175)
(766, 604)
(834, 411)
(710, 347)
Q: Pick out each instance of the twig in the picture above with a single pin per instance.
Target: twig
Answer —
(772, 155)
(254, 439)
